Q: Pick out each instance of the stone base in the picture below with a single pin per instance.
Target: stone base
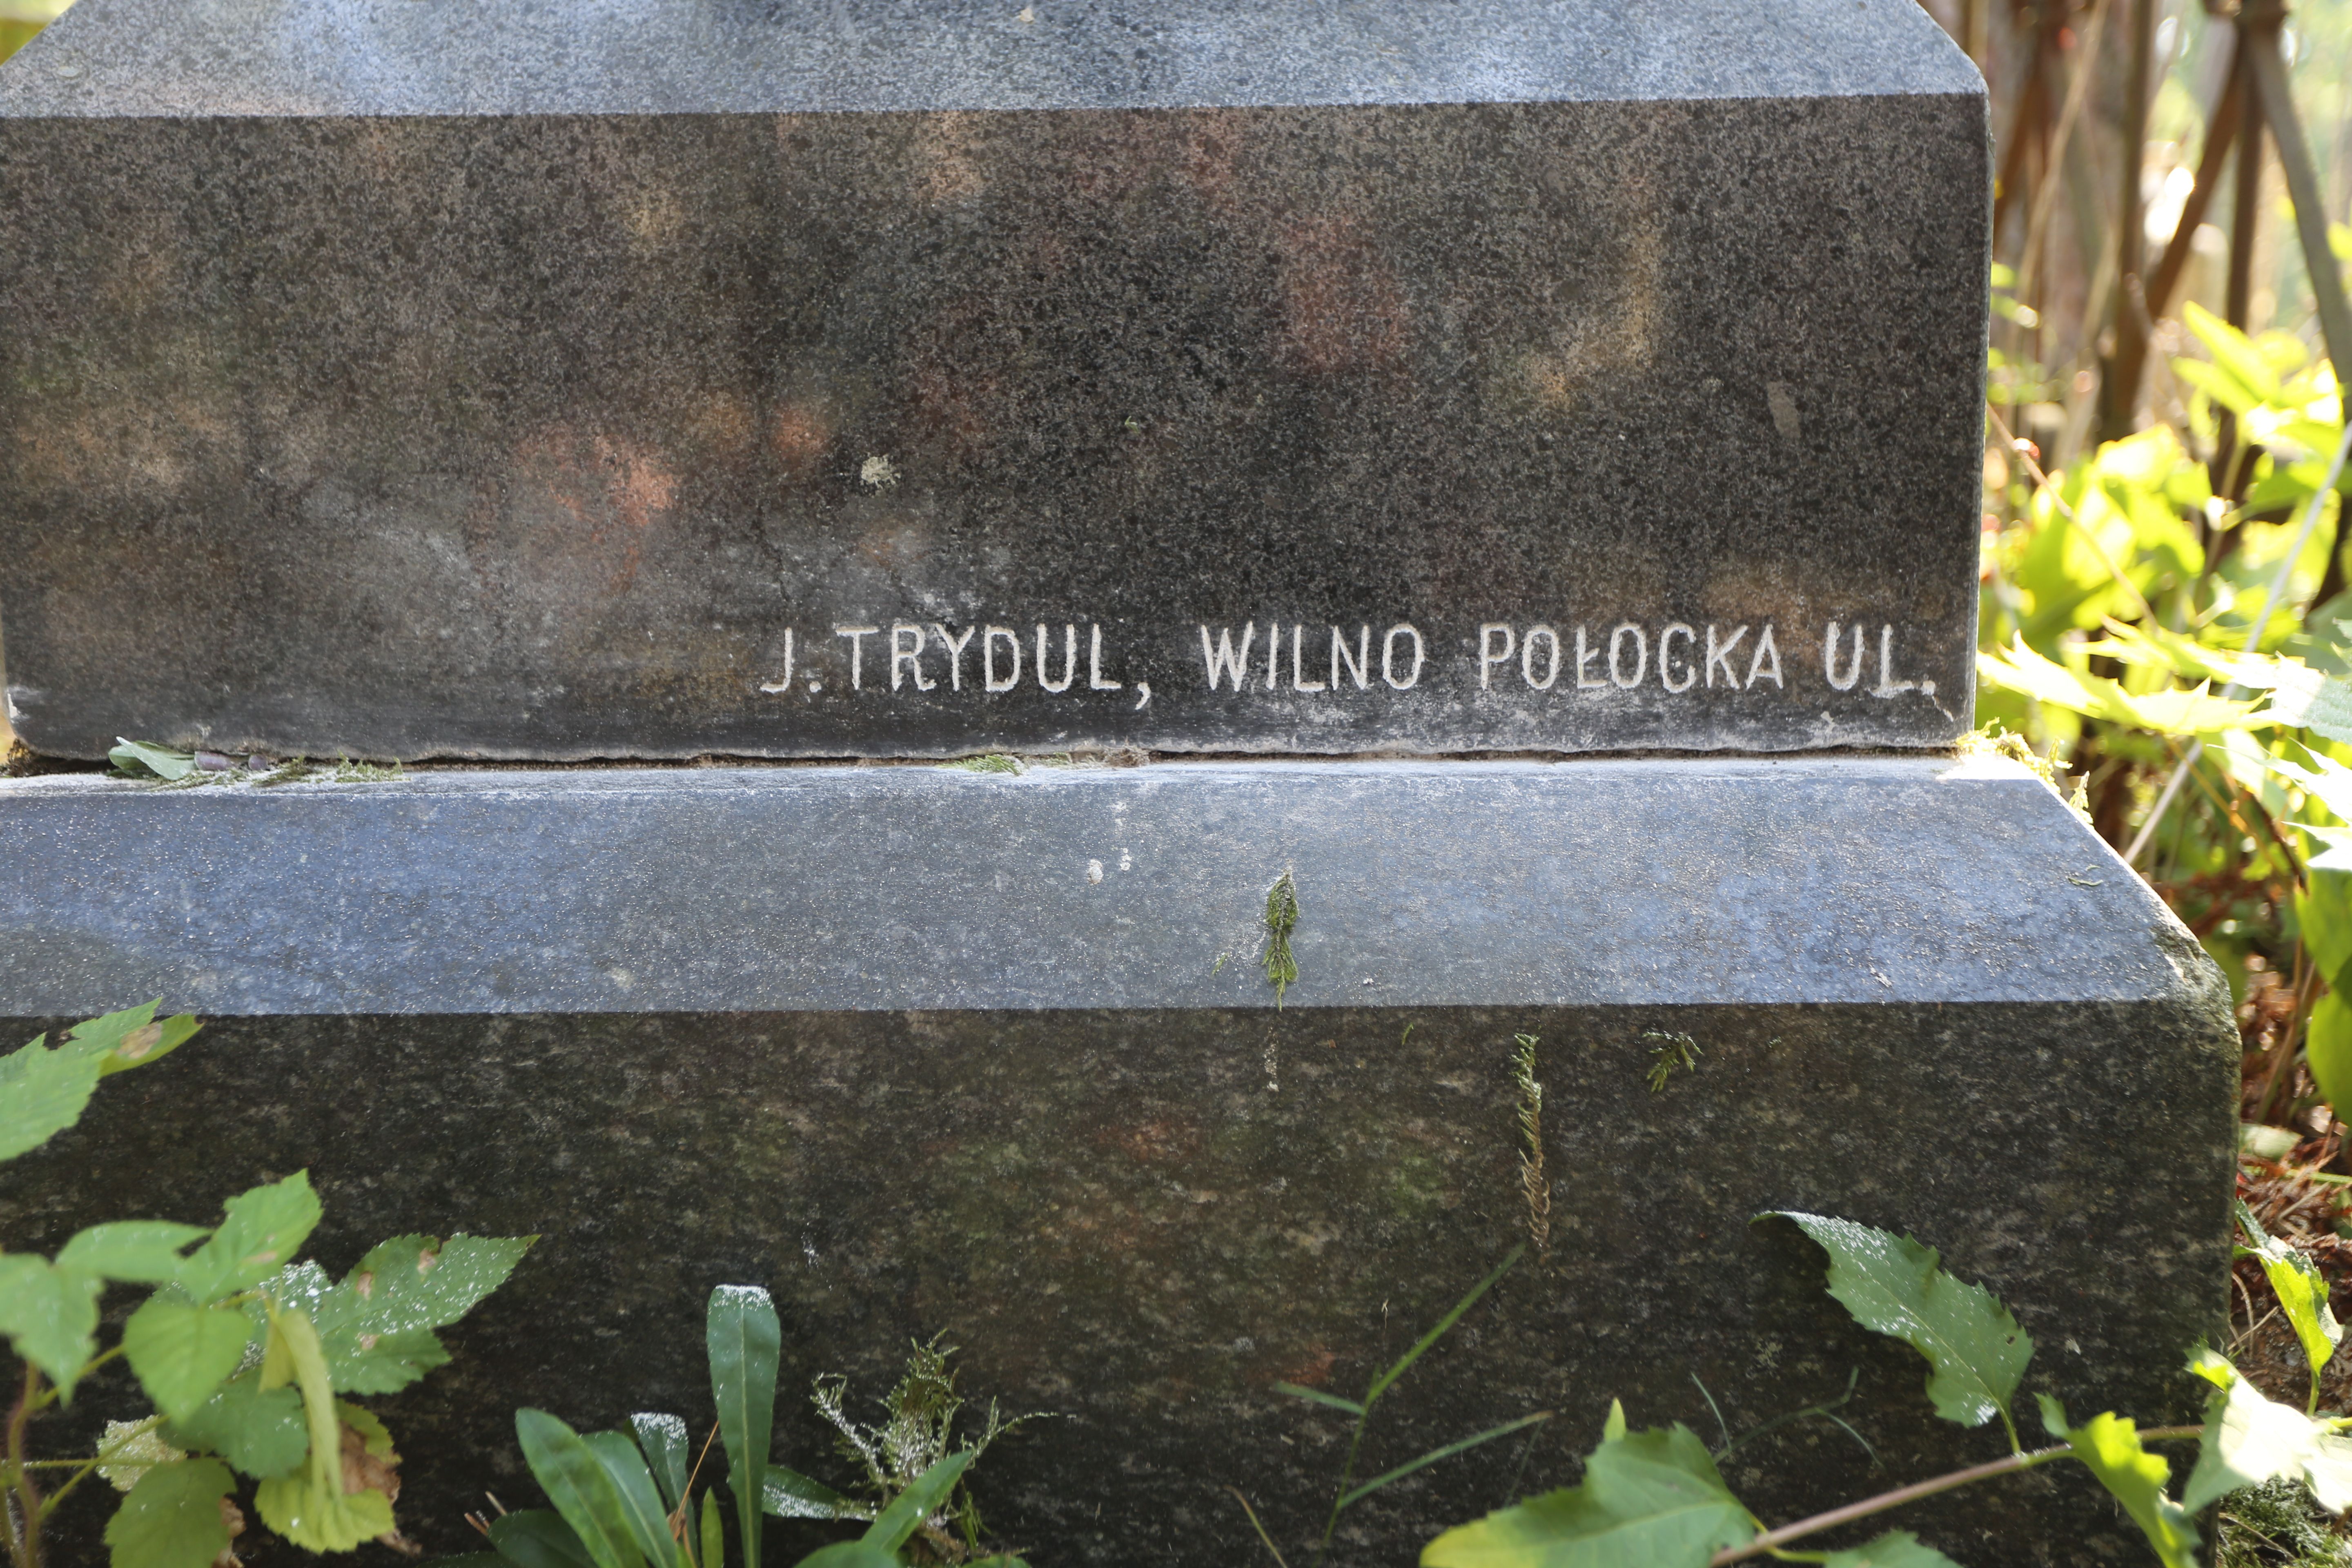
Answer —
(927, 1051)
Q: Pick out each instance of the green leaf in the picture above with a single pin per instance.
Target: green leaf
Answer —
(42, 1092)
(745, 1341)
(1317, 1396)
(310, 1508)
(260, 1234)
(132, 1038)
(714, 1533)
(788, 1494)
(1891, 1286)
(1381, 1383)
(1649, 1499)
(1459, 1445)
(50, 1316)
(377, 1324)
(2327, 1044)
(182, 1354)
(173, 1517)
(2109, 1448)
(2302, 1292)
(367, 1364)
(2323, 912)
(258, 1430)
(2234, 355)
(136, 1251)
(1896, 1549)
(536, 1538)
(2250, 1439)
(577, 1483)
(664, 1440)
(926, 1497)
(641, 1503)
(140, 758)
(849, 1554)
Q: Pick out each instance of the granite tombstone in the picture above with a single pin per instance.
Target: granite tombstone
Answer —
(1290, 379)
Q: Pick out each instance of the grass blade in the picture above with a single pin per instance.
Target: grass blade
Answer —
(916, 1504)
(1381, 1383)
(1261, 1535)
(1448, 1452)
(1317, 1396)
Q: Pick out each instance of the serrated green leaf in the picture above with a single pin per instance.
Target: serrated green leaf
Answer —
(537, 1538)
(788, 1494)
(135, 1251)
(663, 1441)
(575, 1479)
(1896, 1549)
(50, 1316)
(258, 1430)
(259, 1233)
(2109, 1448)
(43, 1092)
(182, 1352)
(1892, 1286)
(744, 1341)
(310, 1508)
(926, 1497)
(375, 1436)
(173, 1517)
(144, 757)
(2302, 1292)
(132, 1038)
(641, 1503)
(1649, 1499)
(370, 1363)
(2250, 1439)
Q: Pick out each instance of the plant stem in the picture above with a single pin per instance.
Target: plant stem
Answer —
(1771, 1539)
(1347, 1474)
(25, 1543)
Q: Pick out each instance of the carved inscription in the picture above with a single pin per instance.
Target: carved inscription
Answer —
(1073, 658)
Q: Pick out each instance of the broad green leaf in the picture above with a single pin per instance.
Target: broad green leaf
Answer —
(2171, 711)
(537, 1538)
(310, 1508)
(788, 1494)
(1896, 1549)
(136, 1251)
(575, 1480)
(2234, 355)
(744, 1341)
(714, 1533)
(259, 1431)
(260, 1233)
(849, 1554)
(926, 1497)
(2250, 1439)
(1649, 1499)
(641, 1503)
(2302, 1293)
(2109, 1448)
(137, 757)
(372, 1432)
(2323, 911)
(50, 1316)
(664, 1440)
(173, 1517)
(132, 1038)
(420, 1282)
(43, 1092)
(183, 1352)
(1891, 1286)
(2328, 1044)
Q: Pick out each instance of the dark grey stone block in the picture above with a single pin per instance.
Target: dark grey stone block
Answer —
(924, 1050)
(558, 383)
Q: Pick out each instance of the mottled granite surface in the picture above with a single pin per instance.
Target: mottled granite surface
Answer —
(888, 1047)
(913, 381)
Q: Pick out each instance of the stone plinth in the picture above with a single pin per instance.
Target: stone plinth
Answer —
(924, 1050)
(894, 380)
